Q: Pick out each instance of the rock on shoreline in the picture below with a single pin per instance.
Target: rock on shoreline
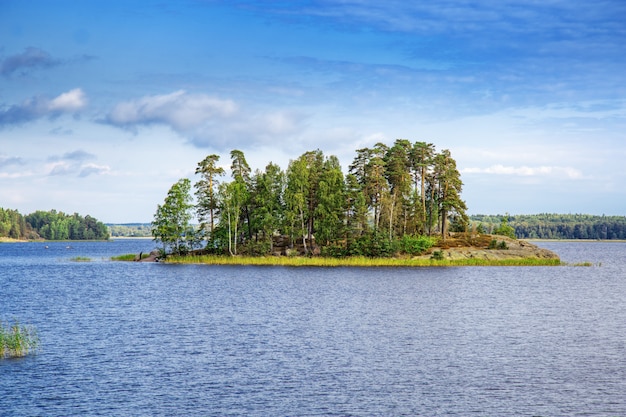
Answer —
(462, 246)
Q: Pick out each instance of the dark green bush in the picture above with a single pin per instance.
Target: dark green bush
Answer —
(415, 245)
(437, 255)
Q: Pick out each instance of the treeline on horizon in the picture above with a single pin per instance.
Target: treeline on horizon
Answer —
(50, 225)
(392, 199)
(527, 226)
(556, 226)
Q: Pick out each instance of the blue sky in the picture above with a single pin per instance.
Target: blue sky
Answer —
(105, 104)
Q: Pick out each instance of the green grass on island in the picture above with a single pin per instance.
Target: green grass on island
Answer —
(17, 340)
(355, 261)
(129, 257)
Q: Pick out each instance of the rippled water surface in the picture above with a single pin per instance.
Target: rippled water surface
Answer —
(132, 339)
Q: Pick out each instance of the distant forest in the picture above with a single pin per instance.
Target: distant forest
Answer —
(50, 225)
(130, 230)
(530, 226)
(556, 226)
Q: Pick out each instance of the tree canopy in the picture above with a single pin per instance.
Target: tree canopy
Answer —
(51, 225)
(388, 195)
(553, 226)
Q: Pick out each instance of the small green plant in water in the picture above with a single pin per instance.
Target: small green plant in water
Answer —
(80, 259)
(129, 257)
(17, 340)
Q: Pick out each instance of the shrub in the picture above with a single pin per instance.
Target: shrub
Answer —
(504, 229)
(17, 341)
(334, 251)
(437, 255)
(255, 248)
(494, 244)
(415, 245)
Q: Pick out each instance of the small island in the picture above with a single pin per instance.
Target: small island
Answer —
(458, 250)
(397, 205)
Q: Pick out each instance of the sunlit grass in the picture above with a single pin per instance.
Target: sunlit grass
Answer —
(80, 259)
(125, 257)
(17, 340)
(355, 261)
(582, 264)
(129, 257)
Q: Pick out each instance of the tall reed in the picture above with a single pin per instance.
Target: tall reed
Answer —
(17, 340)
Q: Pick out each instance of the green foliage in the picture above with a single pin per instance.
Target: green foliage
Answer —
(415, 245)
(504, 229)
(334, 251)
(171, 225)
(391, 193)
(80, 259)
(17, 340)
(437, 255)
(130, 230)
(252, 248)
(558, 226)
(206, 193)
(494, 244)
(53, 225)
(125, 257)
(14, 226)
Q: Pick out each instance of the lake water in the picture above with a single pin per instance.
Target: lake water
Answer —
(135, 339)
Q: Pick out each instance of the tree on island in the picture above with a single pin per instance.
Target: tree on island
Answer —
(172, 221)
(205, 192)
(390, 199)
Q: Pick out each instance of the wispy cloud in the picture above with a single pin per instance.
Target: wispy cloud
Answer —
(554, 49)
(35, 58)
(74, 163)
(93, 169)
(206, 121)
(37, 107)
(6, 161)
(181, 110)
(527, 171)
(30, 59)
(77, 155)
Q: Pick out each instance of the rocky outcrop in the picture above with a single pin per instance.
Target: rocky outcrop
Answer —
(152, 257)
(481, 247)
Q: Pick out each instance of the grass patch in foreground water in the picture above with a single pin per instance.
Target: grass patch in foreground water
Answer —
(355, 261)
(129, 257)
(17, 341)
(80, 259)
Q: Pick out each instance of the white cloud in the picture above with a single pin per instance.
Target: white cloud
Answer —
(89, 169)
(527, 171)
(73, 100)
(179, 109)
(37, 107)
(282, 122)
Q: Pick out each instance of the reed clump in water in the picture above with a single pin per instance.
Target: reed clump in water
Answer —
(17, 340)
